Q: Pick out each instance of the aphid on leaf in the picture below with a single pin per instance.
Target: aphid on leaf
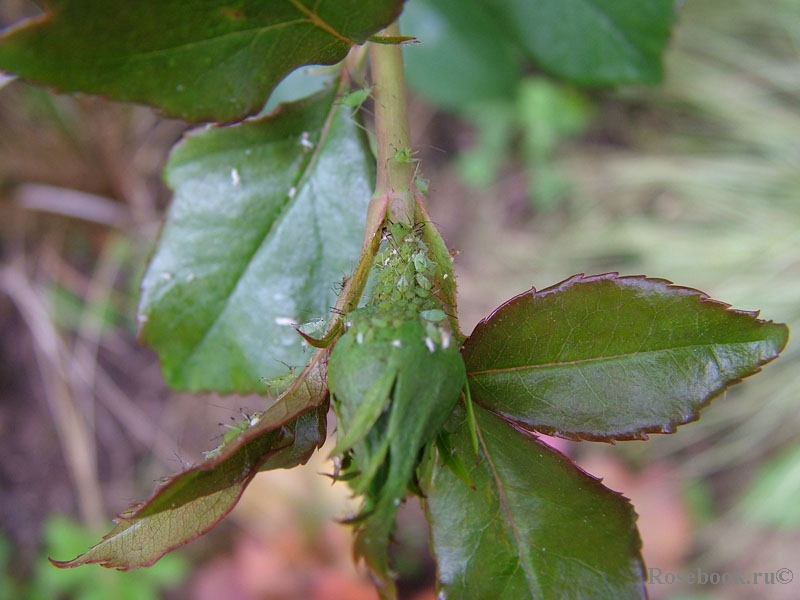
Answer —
(234, 431)
(275, 386)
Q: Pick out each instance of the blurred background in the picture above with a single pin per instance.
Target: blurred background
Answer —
(696, 180)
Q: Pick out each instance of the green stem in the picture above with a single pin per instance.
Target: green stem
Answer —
(395, 168)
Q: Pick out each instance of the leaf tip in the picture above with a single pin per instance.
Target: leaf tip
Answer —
(65, 564)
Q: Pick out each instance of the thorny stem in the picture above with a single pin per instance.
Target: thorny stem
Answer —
(395, 169)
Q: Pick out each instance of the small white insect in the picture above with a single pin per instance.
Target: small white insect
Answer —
(305, 142)
(235, 178)
(445, 338)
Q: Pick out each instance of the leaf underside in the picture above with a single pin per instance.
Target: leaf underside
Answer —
(201, 60)
(533, 526)
(611, 358)
(191, 503)
(267, 216)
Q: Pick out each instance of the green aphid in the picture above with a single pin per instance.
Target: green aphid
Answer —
(423, 281)
(435, 315)
(399, 231)
(421, 262)
(233, 432)
(405, 271)
(356, 98)
(277, 385)
(404, 155)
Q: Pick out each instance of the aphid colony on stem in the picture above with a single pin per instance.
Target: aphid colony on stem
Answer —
(404, 288)
(395, 376)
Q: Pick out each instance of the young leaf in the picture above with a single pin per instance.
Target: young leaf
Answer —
(395, 376)
(610, 358)
(267, 215)
(200, 60)
(191, 503)
(393, 369)
(533, 526)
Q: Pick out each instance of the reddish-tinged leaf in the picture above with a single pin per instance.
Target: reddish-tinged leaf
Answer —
(191, 503)
(201, 60)
(609, 357)
(533, 526)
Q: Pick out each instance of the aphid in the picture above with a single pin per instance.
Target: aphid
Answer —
(277, 385)
(338, 286)
(305, 141)
(234, 431)
(356, 98)
(435, 315)
(405, 155)
(240, 427)
(312, 327)
(421, 262)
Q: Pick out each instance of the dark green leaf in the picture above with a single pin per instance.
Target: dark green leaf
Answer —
(464, 56)
(535, 526)
(608, 357)
(267, 216)
(190, 504)
(202, 60)
(589, 42)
